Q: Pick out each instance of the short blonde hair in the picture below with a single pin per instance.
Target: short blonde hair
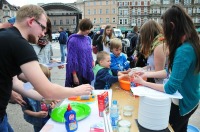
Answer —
(29, 11)
(101, 56)
(46, 71)
(115, 43)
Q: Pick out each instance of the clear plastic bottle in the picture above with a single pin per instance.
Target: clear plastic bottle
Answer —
(114, 115)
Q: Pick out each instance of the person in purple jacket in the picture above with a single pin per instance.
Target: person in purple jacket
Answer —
(79, 59)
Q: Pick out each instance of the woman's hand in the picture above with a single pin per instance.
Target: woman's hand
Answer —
(138, 79)
(75, 79)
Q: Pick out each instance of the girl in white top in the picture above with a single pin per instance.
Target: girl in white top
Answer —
(153, 47)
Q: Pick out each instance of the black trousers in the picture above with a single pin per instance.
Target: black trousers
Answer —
(179, 123)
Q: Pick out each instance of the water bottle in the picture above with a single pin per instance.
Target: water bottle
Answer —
(114, 115)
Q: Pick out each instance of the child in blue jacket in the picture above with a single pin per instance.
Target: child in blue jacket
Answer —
(104, 78)
(118, 59)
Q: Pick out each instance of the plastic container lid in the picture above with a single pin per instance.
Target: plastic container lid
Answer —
(123, 129)
(128, 108)
(124, 123)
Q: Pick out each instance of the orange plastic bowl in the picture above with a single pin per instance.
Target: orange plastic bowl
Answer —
(125, 84)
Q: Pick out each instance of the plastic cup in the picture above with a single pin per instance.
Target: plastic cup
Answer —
(127, 110)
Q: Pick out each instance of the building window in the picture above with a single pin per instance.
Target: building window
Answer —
(61, 22)
(107, 20)
(74, 21)
(67, 21)
(133, 12)
(145, 3)
(88, 11)
(6, 13)
(100, 2)
(106, 2)
(107, 11)
(187, 2)
(120, 3)
(166, 1)
(123, 21)
(94, 2)
(125, 3)
(126, 12)
(176, 1)
(113, 1)
(100, 11)
(54, 22)
(139, 21)
(88, 3)
(120, 12)
(145, 11)
(94, 21)
(190, 11)
(139, 3)
(94, 11)
(198, 10)
(133, 3)
(100, 20)
(113, 11)
(113, 20)
(139, 11)
(145, 19)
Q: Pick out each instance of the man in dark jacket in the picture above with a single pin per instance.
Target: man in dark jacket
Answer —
(62, 41)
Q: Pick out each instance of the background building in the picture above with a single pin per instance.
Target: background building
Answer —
(7, 10)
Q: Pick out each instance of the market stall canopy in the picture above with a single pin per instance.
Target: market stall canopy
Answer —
(124, 29)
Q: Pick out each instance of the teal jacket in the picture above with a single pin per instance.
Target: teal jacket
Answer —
(184, 79)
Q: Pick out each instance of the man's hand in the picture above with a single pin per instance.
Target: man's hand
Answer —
(17, 98)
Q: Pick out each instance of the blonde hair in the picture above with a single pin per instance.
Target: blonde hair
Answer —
(101, 56)
(45, 70)
(29, 11)
(115, 43)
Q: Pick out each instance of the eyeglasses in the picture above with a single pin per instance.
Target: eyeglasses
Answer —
(42, 26)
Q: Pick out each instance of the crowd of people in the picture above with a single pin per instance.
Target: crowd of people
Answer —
(171, 52)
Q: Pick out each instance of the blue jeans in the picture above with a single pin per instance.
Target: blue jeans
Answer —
(63, 52)
(4, 125)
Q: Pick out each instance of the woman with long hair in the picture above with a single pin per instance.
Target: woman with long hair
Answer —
(103, 41)
(183, 68)
(153, 47)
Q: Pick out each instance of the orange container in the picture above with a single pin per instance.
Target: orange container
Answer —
(125, 84)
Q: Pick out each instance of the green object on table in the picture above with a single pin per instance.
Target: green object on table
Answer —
(82, 111)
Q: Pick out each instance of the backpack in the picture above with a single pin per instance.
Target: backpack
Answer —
(133, 40)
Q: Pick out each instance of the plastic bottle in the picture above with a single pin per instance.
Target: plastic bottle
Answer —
(114, 115)
(70, 120)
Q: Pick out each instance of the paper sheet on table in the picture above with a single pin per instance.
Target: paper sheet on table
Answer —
(54, 64)
(145, 91)
(28, 86)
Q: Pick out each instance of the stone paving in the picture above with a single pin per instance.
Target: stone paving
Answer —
(15, 115)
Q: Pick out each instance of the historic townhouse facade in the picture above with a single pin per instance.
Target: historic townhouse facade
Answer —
(7, 10)
(192, 7)
(123, 14)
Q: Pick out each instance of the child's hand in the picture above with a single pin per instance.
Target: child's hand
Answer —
(53, 103)
(61, 67)
(42, 114)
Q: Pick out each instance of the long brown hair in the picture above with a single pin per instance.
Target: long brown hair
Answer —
(49, 30)
(176, 24)
(104, 34)
(148, 32)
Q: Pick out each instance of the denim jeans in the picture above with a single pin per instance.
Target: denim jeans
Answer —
(4, 125)
(63, 52)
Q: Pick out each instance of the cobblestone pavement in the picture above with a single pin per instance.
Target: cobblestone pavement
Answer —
(15, 115)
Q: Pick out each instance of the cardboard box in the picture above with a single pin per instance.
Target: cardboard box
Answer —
(103, 103)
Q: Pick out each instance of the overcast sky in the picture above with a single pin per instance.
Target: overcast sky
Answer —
(23, 2)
